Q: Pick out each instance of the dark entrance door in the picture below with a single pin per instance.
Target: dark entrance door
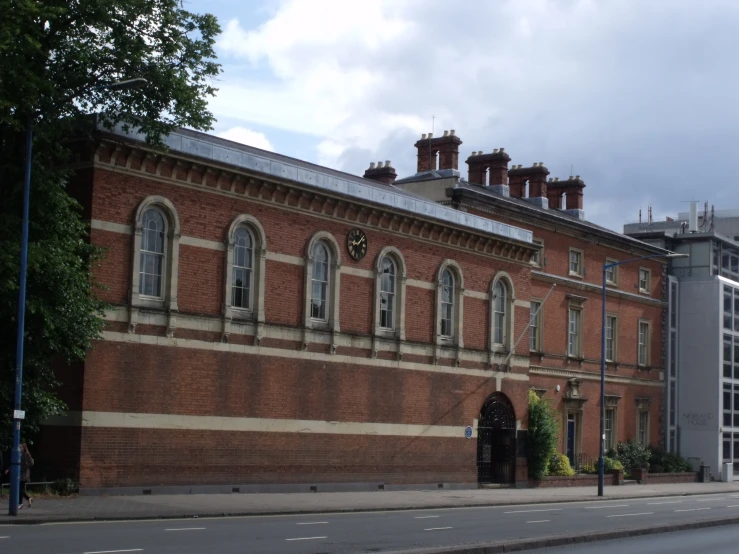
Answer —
(496, 441)
(571, 438)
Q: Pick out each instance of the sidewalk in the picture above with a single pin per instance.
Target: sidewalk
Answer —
(89, 508)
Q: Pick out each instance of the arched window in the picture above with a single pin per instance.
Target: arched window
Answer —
(244, 278)
(447, 304)
(155, 260)
(319, 282)
(500, 315)
(152, 253)
(387, 294)
(242, 271)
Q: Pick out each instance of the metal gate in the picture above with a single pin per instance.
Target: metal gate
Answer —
(496, 441)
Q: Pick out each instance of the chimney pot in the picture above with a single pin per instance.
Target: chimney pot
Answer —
(431, 135)
(541, 164)
(379, 165)
(446, 133)
(452, 132)
(495, 150)
(372, 165)
(502, 150)
(550, 180)
(556, 178)
(423, 136)
(577, 176)
(388, 164)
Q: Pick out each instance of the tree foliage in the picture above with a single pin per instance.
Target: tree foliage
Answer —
(542, 435)
(54, 56)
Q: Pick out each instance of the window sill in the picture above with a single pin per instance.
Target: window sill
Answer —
(645, 292)
(576, 275)
(151, 302)
(579, 359)
(611, 284)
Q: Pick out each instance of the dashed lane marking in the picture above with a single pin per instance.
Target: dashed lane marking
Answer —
(187, 529)
(609, 506)
(425, 517)
(438, 528)
(539, 521)
(626, 515)
(661, 503)
(115, 551)
(306, 539)
(529, 511)
(693, 510)
(312, 523)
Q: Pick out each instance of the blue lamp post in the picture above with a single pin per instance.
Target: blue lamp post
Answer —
(18, 414)
(606, 267)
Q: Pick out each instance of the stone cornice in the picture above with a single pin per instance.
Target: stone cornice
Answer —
(586, 376)
(210, 176)
(591, 287)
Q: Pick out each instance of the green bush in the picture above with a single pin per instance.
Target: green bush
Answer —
(667, 462)
(609, 464)
(559, 466)
(591, 467)
(542, 434)
(65, 487)
(633, 454)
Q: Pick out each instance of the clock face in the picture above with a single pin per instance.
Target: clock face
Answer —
(356, 243)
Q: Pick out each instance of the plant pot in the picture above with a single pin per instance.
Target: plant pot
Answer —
(639, 474)
(618, 476)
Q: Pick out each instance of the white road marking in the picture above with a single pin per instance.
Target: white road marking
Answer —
(306, 539)
(528, 511)
(625, 515)
(609, 506)
(438, 528)
(539, 521)
(424, 517)
(660, 503)
(693, 510)
(709, 499)
(187, 529)
(4, 537)
(313, 523)
(113, 551)
(732, 506)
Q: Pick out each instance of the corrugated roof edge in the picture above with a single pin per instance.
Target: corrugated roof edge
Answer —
(568, 219)
(203, 145)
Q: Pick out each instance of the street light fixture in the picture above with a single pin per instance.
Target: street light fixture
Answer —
(606, 267)
(18, 414)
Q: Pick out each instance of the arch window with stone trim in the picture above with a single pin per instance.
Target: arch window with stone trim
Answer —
(155, 259)
(390, 284)
(501, 306)
(449, 306)
(246, 252)
(152, 253)
(322, 281)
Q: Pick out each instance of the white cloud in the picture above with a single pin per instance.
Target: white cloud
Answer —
(248, 137)
(625, 91)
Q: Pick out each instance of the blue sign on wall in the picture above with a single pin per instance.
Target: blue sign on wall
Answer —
(468, 432)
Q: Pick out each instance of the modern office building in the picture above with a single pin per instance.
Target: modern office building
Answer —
(702, 333)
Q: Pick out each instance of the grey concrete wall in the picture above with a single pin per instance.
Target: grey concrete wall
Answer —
(699, 386)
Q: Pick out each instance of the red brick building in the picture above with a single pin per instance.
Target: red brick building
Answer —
(276, 325)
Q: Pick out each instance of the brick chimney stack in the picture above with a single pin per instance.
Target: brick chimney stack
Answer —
(572, 188)
(490, 170)
(381, 173)
(536, 176)
(447, 148)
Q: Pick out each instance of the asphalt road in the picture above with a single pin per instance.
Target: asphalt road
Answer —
(369, 532)
(720, 540)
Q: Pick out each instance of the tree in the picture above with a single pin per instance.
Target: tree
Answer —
(52, 54)
(542, 435)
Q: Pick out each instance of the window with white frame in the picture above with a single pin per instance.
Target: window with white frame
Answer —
(500, 315)
(535, 327)
(447, 304)
(611, 272)
(609, 428)
(611, 337)
(387, 293)
(242, 269)
(576, 262)
(320, 282)
(643, 344)
(574, 333)
(642, 432)
(152, 253)
(644, 280)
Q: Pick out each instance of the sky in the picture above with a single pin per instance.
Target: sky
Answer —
(638, 97)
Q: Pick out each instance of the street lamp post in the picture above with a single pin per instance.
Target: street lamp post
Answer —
(606, 267)
(18, 413)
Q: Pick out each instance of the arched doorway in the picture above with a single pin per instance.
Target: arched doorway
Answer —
(496, 441)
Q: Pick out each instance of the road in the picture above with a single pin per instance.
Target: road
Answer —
(721, 540)
(364, 532)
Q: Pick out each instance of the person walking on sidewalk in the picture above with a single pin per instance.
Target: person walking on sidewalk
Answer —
(26, 465)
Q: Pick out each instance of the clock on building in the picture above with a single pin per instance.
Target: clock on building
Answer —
(356, 243)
